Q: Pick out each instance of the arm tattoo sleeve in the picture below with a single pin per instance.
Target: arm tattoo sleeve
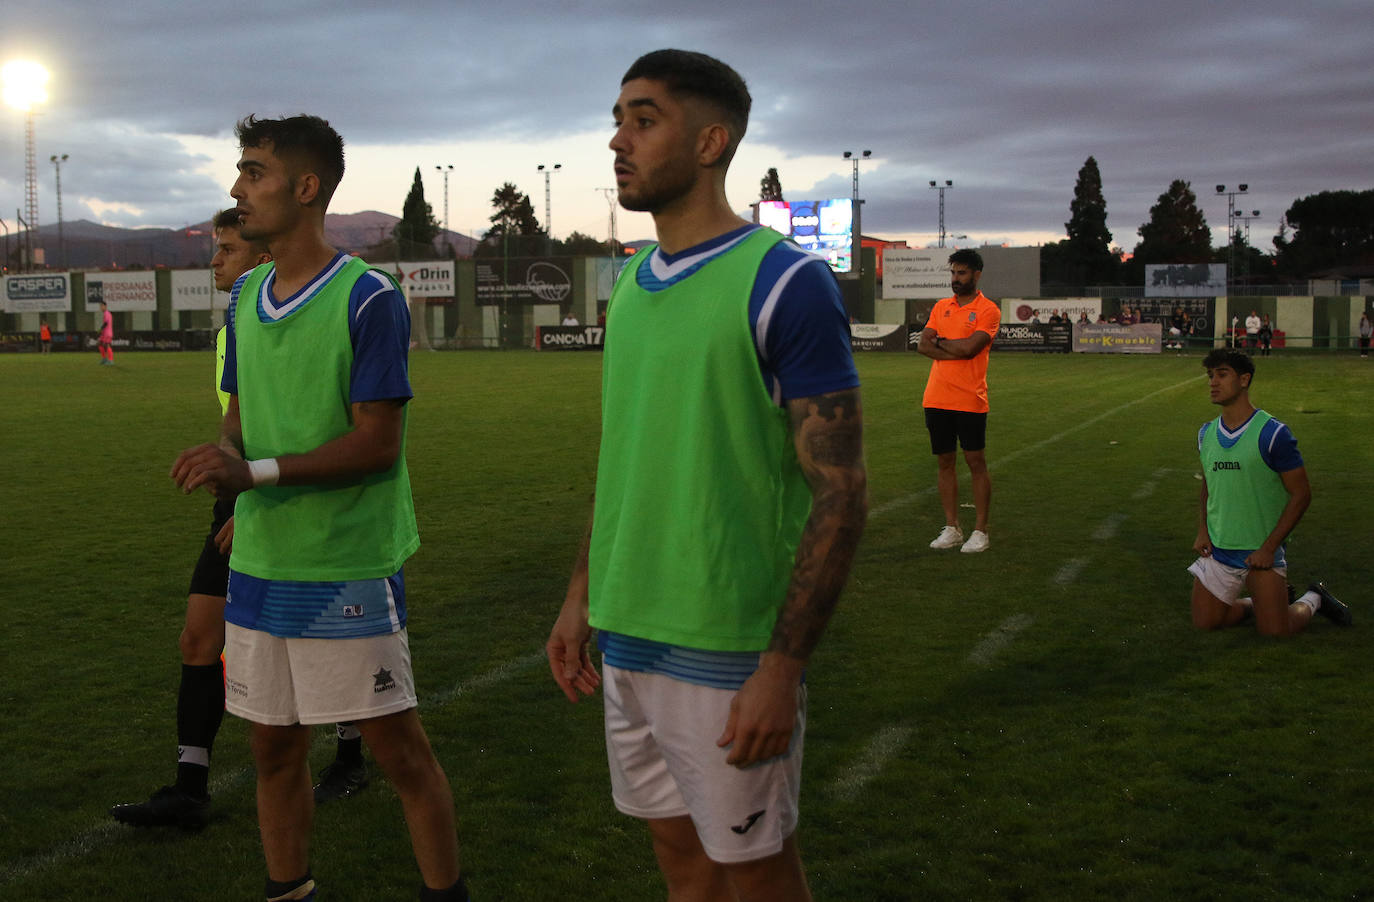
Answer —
(828, 433)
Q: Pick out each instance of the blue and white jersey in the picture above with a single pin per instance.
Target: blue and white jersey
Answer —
(378, 324)
(1277, 446)
(290, 609)
(379, 328)
(801, 339)
(1278, 449)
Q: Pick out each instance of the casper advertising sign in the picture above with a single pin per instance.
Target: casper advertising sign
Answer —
(46, 293)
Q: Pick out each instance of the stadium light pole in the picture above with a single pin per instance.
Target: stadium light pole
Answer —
(1242, 188)
(856, 248)
(548, 197)
(445, 169)
(57, 162)
(1245, 219)
(947, 186)
(25, 86)
(611, 197)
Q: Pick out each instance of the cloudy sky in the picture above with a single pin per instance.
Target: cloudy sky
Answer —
(1007, 100)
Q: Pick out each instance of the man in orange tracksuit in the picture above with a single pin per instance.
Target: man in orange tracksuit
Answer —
(957, 337)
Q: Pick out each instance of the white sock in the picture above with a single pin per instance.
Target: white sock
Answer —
(1311, 599)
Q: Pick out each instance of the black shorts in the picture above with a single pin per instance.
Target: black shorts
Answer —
(211, 576)
(947, 426)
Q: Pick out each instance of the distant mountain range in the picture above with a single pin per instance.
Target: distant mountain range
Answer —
(83, 244)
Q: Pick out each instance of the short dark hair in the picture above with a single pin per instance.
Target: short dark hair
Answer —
(307, 142)
(233, 219)
(1235, 358)
(968, 257)
(227, 219)
(686, 72)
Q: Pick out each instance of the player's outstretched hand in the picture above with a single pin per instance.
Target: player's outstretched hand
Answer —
(763, 713)
(569, 660)
(224, 539)
(223, 474)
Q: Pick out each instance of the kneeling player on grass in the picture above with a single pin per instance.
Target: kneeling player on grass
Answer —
(1254, 492)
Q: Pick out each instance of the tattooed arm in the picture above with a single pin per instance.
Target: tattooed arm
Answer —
(827, 431)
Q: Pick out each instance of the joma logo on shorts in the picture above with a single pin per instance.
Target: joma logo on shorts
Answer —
(1225, 465)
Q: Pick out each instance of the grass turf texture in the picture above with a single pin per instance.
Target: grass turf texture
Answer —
(1036, 722)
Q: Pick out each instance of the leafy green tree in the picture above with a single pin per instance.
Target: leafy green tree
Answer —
(770, 188)
(1086, 256)
(1090, 242)
(1177, 231)
(580, 245)
(1330, 229)
(417, 228)
(515, 231)
(1252, 266)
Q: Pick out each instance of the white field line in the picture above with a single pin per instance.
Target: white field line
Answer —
(984, 653)
(1003, 459)
(106, 831)
(1109, 527)
(888, 741)
(1069, 572)
(885, 745)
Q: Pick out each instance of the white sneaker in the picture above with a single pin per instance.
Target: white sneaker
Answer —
(977, 541)
(948, 537)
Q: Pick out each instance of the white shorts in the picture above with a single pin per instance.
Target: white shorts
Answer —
(1226, 583)
(661, 742)
(280, 682)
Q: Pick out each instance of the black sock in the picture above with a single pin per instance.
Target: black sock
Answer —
(200, 709)
(348, 751)
(282, 889)
(456, 893)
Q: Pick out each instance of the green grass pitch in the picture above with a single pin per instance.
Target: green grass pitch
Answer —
(1037, 722)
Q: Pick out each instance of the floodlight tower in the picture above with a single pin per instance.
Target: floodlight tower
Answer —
(25, 87)
(57, 162)
(947, 186)
(611, 197)
(1242, 188)
(548, 206)
(1246, 218)
(445, 169)
(857, 248)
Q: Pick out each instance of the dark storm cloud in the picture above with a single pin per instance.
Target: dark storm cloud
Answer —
(1006, 100)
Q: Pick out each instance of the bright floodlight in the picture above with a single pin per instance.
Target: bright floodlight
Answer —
(25, 84)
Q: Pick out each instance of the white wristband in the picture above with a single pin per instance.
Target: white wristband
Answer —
(264, 471)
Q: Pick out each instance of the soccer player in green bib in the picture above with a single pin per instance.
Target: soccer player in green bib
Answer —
(200, 696)
(313, 446)
(1254, 492)
(730, 497)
